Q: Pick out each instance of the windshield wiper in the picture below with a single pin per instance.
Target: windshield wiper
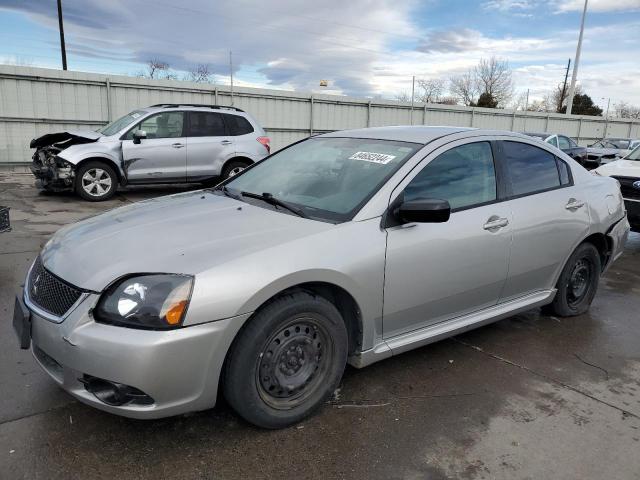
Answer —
(269, 198)
(227, 192)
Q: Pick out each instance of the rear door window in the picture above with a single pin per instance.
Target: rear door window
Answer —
(206, 124)
(564, 142)
(237, 125)
(531, 169)
(553, 141)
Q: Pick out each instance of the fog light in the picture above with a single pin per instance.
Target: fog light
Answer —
(113, 393)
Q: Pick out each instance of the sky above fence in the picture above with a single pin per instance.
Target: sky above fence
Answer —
(362, 47)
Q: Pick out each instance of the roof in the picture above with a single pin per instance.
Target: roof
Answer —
(538, 134)
(415, 134)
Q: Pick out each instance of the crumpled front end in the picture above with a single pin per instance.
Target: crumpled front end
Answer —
(52, 172)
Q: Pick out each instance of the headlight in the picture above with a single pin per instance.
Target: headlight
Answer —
(155, 302)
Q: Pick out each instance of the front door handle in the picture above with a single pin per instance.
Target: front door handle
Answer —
(177, 145)
(495, 223)
(226, 142)
(574, 204)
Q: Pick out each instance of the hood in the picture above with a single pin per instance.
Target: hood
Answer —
(621, 168)
(75, 136)
(185, 233)
(605, 151)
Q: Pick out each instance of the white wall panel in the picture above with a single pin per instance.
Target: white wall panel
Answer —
(35, 101)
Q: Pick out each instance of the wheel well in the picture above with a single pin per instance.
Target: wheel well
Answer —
(102, 160)
(342, 300)
(602, 244)
(247, 160)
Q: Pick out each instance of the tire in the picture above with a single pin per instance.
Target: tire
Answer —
(96, 181)
(286, 361)
(233, 167)
(578, 282)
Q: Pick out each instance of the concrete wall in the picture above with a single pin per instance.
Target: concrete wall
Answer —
(35, 101)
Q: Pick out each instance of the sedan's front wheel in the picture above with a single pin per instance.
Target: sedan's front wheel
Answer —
(578, 282)
(287, 361)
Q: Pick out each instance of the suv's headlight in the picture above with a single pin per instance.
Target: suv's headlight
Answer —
(154, 301)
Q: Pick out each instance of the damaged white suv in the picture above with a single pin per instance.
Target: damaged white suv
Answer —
(165, 143)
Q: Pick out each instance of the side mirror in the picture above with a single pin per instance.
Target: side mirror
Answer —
(424, 210)
(138, 135)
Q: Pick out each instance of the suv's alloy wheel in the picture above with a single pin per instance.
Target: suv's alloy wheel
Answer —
(96, 181)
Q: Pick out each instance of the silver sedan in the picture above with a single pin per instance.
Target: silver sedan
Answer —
(348, 247)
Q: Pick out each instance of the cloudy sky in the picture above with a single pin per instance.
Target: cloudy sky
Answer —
(363, 47)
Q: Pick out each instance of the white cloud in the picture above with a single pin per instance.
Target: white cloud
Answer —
(363, 47)
(597, 5)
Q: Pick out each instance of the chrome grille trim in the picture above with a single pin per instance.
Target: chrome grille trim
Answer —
(74, 296)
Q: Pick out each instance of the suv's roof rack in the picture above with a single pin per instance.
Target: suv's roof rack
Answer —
(174, 105)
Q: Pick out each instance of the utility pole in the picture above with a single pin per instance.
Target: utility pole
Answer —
(63, 49)
(572, 89)
(606, 115)
(526, 110)
(413, 90)
(231, 74)
(564, 86)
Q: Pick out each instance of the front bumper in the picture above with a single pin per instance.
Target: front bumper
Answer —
(52, 176)
(179, 369)
(633, 213)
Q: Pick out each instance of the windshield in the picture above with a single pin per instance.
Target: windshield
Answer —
(119, 124)
(326, 178)
(634, 155)
(623, 144)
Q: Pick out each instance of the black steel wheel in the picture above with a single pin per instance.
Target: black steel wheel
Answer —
(578, 282)
(286, 361)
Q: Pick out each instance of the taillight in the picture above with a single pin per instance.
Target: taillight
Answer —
(266, 141)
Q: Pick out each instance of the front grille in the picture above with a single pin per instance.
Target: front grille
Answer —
(627, 188)
(50, 293)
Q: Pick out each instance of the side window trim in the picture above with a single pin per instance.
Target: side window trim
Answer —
(509, 189)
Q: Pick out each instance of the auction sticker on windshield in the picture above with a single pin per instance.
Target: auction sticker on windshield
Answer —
(381, 158)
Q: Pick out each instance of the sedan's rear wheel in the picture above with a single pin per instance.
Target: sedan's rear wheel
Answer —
(578, 282)
(287, 361)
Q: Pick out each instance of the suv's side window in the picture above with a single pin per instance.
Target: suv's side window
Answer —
(205, 124)
(161, 125)
(564, 142)
(464, 176)
(237, 125)
(531, 169)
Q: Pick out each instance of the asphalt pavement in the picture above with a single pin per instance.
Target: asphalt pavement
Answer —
(529, 397)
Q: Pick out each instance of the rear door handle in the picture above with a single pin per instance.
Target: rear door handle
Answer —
(574, 204)
(226, 142)
(177, 145)
(494, 223)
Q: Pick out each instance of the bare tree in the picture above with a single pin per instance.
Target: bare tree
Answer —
(403, 97)
(200, 73)
(432, 90)
(626, 110)
(156, 68)
(555, 100)
(494, 78)
(448, 101)
(464, 87)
